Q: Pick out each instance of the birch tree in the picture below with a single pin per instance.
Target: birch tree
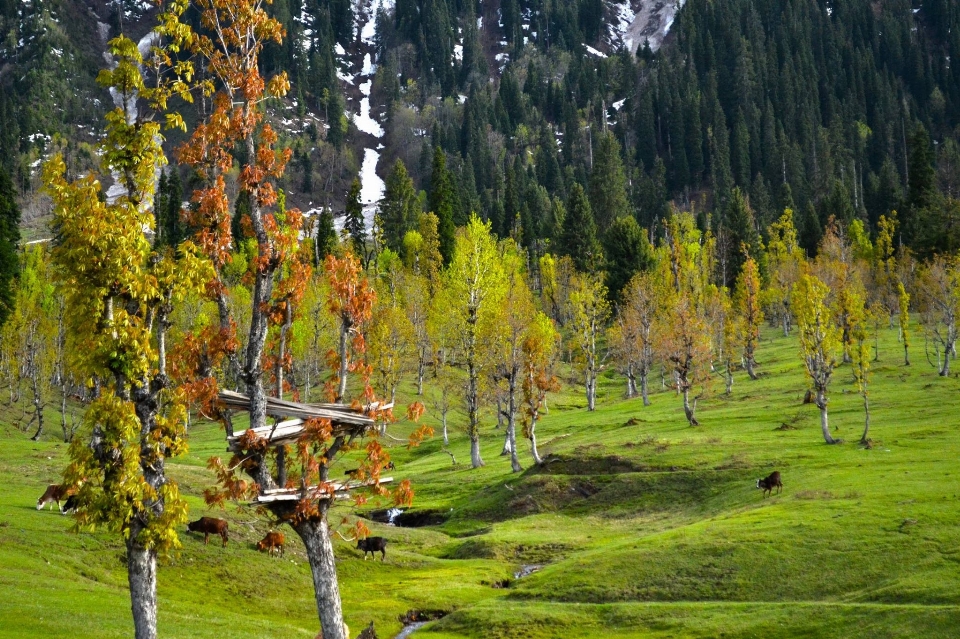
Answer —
(747, 300)
(819, 340)
(939, 292)
(473, 292)
(589, 312)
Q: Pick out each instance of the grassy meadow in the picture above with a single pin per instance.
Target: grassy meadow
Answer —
(645, 526)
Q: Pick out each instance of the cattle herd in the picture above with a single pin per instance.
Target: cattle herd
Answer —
(273, 542)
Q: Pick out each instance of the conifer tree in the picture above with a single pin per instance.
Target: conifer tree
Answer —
(627, 251)
(578, 237)
(9, 240)
(399, 208)
(441, 203)
(353, 220)
(608, 184)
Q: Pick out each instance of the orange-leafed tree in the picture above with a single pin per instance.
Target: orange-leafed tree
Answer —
(235, 32)
(351, 300)
(541, 345)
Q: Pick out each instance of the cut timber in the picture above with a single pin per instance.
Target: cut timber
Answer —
(335, 489)
(343, 419)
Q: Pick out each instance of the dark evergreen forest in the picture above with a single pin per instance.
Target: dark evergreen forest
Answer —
(846, 109)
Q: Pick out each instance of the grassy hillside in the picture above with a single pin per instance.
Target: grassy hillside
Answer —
(647, 527)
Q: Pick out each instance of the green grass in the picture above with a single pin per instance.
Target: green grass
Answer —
(647, 527)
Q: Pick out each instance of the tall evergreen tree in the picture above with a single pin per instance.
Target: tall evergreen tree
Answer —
(578, 238)
(627, 251)
(9, 240)
(353, 222)
(608, 183)
(442, 204)
(399, 208)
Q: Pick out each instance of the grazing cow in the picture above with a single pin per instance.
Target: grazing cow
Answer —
(373, 545)
(771, 481)
(54, 493)
(273, 541)
(390, 466)
(210, 526)
(70, 505)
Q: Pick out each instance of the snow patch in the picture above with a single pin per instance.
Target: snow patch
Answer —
(592, 51)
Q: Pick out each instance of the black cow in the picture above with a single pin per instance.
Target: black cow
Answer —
(70, 505)
(770, 482)
(373, 545)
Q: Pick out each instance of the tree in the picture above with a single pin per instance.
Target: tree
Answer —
(608, 184)
(9, 239)
(903, 300)
(939, 292)
(784, 258)
(627, 251)
(353, 222)
(472, 294)
(578, 238)
(686, 346)
(119, 296)
(235, 33)
(819, 340)
(518, 313)
(442, 203)
(540, 346)
(589, 311)
(640, 313)
(351, 300)
(861, 365)
(747, 298)
(399, 208)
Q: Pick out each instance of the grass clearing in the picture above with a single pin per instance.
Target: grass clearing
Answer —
(645, 527)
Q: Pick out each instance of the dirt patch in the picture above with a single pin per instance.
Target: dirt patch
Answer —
(409, 518)
(814, 494)
(786, 426)
(608, 465)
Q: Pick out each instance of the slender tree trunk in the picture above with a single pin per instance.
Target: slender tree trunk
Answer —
(344, 333)
(316, 541)
(906, 354)
(591, 385)
(689, 409)
(443, 419)
(644, 391)
(824, 421)
(533, 442)
(142, 577)
(866, 420)
(421, 365)
(945, 366)
(749, 363)
(786, 324)
(728, 374)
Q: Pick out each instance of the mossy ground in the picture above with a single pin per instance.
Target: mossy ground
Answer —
(647, 527)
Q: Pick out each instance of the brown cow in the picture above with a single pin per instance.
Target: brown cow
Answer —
(208, 526)
(273, 541)
(770, 482)
(54, 493)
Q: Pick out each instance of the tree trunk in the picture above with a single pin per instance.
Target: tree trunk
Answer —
(824, 422)
(644, 391)
(475, 459)
(142, 577)
(342, 388)
(728, 374)
(316, 541)
(591, 384)
(866, 421)
(945, 367)
(420, 370)
(443, 419)
(689, 409)
(533, 442)
(906, 354)
(749, 363)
